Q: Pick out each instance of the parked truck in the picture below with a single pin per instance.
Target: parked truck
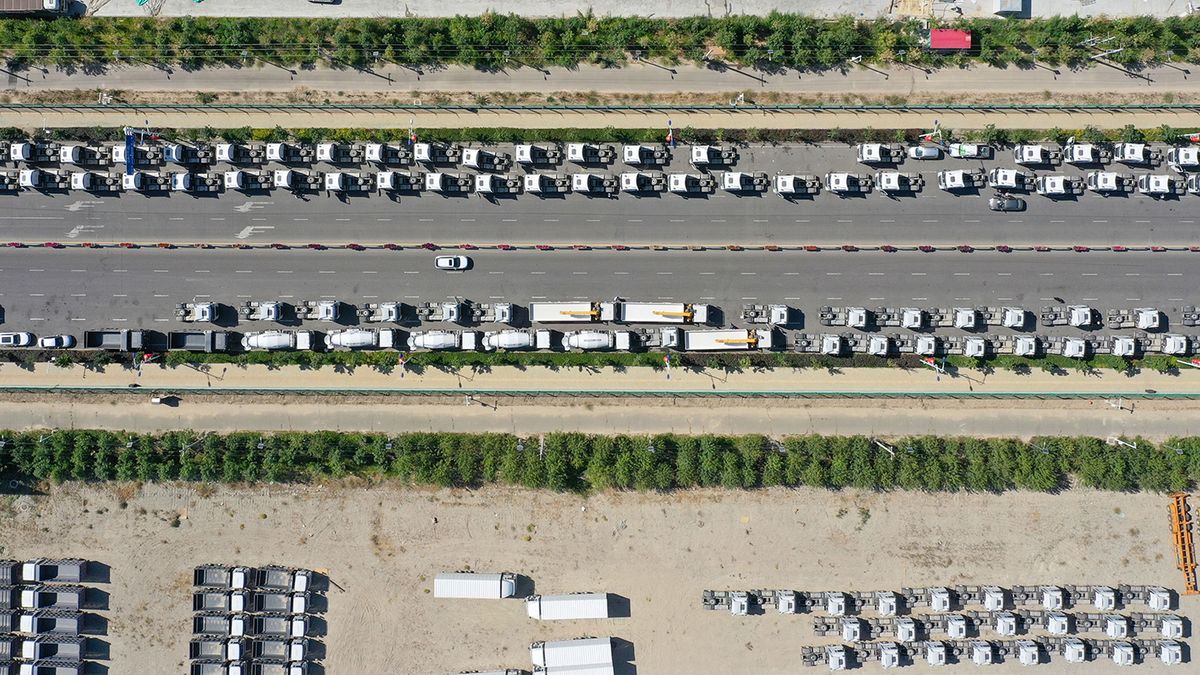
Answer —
(547, 184)
(221, 600)
(660, 312)
(474, 585)
(388, 154)
(53, 647)
(197, 183)
(94, 181)
(591, 153)
(287, 579)
(249, 181)
(436, 153)
(146, 156)
(400, 181)
(360, 338)
(52, 597)
(350, 181)
(515, 339)
(85, 155)
(381, 312)
(123, 340)
(280, 602)
(340, 153)
(437, 340)
(570, 312)
(598, 340)
(538, 155)
(297, 180)
(145, 181)
(46, 570)
(34, 152)
(189, 155)
(569, 606)
(50, 622)
(261, 310)
(241, 153)
(727, 339)
(197, 312)
(42, 179)
(274, 340)
(486, 160)
(10, 8)
(223, 576)
(595, 183)
(291, 153)
(571, 653)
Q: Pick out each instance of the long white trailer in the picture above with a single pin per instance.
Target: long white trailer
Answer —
(570, 312)
(590, 669)
(732, 339)
(474, 585)
(570, 606)
(661, 312)
(569, 653)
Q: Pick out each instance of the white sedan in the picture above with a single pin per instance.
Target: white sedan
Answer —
(57, 342)
(452, 263)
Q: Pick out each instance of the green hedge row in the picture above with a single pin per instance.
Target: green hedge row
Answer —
(498, 40)
(578, 462)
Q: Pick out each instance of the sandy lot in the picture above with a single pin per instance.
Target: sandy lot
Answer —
(382, 544)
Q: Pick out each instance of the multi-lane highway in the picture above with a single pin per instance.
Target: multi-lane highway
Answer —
(933, 217)
(72, 289)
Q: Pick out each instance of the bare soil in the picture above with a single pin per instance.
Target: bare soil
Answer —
(381, 545)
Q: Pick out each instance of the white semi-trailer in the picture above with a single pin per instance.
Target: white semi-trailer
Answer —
(731, 339)
(474, 585)
(570, 312)
(569, 653)
(661, 312)
(570, 606)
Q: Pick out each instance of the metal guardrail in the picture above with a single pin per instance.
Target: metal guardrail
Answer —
(594, 393)
(582, 107)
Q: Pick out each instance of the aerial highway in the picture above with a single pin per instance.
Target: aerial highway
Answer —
(933, 216)
(49, 291)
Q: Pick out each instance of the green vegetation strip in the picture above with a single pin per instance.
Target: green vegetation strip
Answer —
(501, 41)
(390, 361)
(578, 462)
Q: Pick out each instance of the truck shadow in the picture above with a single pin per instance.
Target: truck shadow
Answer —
(619, 606)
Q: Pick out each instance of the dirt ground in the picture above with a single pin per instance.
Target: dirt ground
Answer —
(382, 544)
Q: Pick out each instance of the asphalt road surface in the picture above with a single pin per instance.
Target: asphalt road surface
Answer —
(932, 217)
(49, 291)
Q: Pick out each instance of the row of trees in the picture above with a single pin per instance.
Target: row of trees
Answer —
(500, 40)
(578, 462)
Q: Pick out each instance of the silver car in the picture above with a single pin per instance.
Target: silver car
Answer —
(924, 152)
(57, 342)
(1006, 203)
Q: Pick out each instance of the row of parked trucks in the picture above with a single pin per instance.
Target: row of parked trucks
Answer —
(357, 153)
(41, 622)
(1027, 651)
(942, 599)
(251, 620)
(1182, 158)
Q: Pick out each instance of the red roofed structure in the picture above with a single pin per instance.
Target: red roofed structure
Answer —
(949, 39)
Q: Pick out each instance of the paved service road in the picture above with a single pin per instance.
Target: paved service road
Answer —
(72, 289)
(933, 217)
